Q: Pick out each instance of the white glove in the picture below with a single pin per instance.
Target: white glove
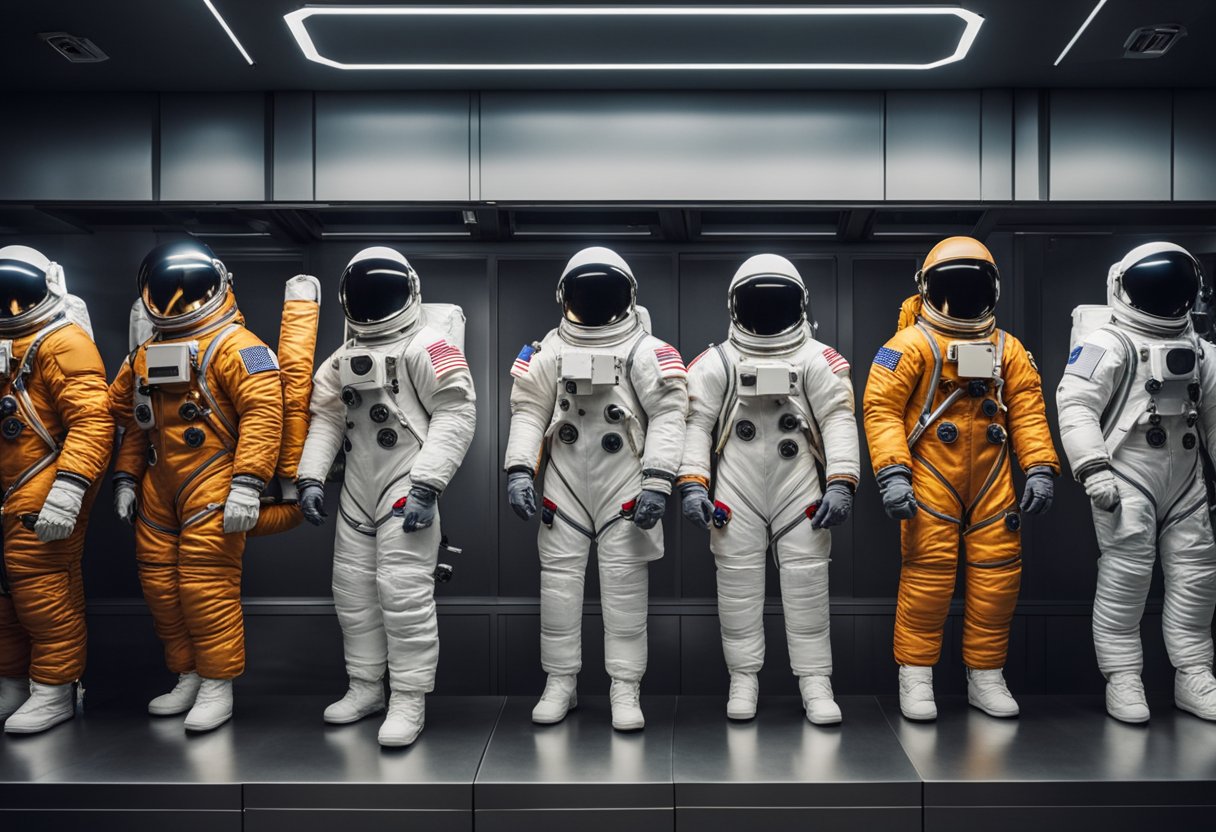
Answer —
(126, 502)
(1103, 489)
(243, 506)
(57, 520)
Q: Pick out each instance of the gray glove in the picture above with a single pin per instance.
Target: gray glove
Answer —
(420, 508)
(521, 492)
(1040, 490)
(649, 509)
(312, 501)
(895, 488)
(243, 505)
(834, 507)
(1102, 488)
(696, 505)
(57, 519)
(126, 500)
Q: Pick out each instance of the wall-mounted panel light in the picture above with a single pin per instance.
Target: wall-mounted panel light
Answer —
(297, 22)
(228, 30)
(1077, 36)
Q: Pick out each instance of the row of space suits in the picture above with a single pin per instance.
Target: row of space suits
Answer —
(220, 438)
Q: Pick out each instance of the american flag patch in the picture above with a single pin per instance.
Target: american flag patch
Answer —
(693, 363)
(446, 358)
(523, 361)
(670, 362)
(836, 361)
(888, 358)
(259, 359)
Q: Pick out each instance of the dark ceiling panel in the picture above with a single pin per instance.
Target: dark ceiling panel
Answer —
(177, 45)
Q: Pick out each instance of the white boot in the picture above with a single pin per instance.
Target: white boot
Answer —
(13, 693)
(626, 705)
(560, 697)
(821, 708)
(47, 706)
(916, 693)
(180, 699)
(212, 707)
(406, 717)
(363, 698)
(987, 691)
(1195, 691)
(744, 691)
(1125, 697)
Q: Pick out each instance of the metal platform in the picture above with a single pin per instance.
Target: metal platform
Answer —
(481, 764)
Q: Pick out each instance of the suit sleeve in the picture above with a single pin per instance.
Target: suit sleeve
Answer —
(441, 377)
(1027, 416)
(326, 423)
(894, 376)
(1093, 371)
(707, 385)
(661, 383)
(829, 389)
(257, 394)
(132, 459)
(533, 397)
(76, 378)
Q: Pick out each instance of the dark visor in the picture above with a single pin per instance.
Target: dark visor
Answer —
(1165, 285)
(768, 304)
(963, 289)
(375, 290)
(22, 287)
(596, 295)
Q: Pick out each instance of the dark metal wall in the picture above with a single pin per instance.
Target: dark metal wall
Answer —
(489, 617)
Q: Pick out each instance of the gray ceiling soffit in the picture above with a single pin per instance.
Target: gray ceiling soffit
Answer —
(163, 46)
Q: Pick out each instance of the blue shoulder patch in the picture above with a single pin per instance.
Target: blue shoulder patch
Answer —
(888, 358)
(259, 359)
(1074, 355)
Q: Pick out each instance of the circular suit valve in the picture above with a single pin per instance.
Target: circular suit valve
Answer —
(1192, 392)
(378, 413)
(788, 449)
(613, 413)
(745, 430)
(194, 437)
(989, 408)
(351, 397)
(1013, 521)
(11, 428)
(8, 406)
(188, 412)
(143, 414)
(151, 455)
(788, 422)
(564, 404)
(1188, 441)
(568, 433)
(612, 442)
(995, 434)
(346, 444)
(571, 387)
(947, 432)
(1156, 437)
(1152, 386)
(977, 387)
(386, 438)
(361, 365)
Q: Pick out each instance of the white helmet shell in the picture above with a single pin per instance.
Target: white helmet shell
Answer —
(48, 308)
(771, 265)
(1117, 297)
(403, 318)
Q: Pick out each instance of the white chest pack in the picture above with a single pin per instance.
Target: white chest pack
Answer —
(584, 372)
(6, 358)
(764, 378)
(974, 359)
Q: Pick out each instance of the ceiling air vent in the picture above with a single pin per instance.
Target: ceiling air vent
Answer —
(76, 50)
(1153, 41)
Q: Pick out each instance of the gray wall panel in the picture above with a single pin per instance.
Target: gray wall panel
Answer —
(1110, 144)
(77, 147)
(1029, 152)
(293, 146)
(1195, 144)
(388, 146)
(213, 147)
(933, 145)
(996, 145)
(610, 146)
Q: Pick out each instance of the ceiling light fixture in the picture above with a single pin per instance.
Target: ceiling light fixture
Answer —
(1081, 31)
(297, 23)
(228, 29)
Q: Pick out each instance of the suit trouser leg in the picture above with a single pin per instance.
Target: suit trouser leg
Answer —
(926, 584)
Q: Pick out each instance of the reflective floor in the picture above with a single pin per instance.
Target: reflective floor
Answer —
(482, 764)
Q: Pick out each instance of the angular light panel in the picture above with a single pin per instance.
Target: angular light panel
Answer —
(642, 19)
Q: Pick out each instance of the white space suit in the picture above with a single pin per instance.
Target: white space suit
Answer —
(398, 399)
(605, 401)
(1137, 404)
(773, 410)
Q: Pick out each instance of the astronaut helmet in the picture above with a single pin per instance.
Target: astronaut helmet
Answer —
(1156, 283)
(597, 288)
(380, 292)
(31, 289)
(767, 297)
(182, 283)
(960, 283)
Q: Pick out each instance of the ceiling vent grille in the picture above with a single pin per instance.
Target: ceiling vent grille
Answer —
(75, 50)
(1153, 41)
